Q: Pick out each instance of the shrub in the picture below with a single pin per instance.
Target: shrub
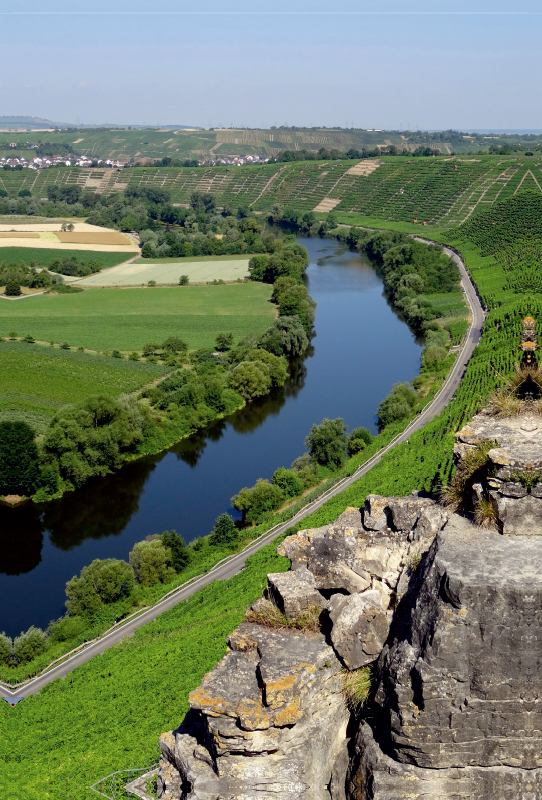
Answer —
(306, 470)
(66, 629)
(287, 480)
(358, 440)
(263, 498)
(116, 354)
(64, 346)
(326, 442)
(183, 280)
(174, 344)
(433, 355)
(13, 288)
(29, 339)
(150, 562)
(224, 531)
(29, 645)
(100, 583)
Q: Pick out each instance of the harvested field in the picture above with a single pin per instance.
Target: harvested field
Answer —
(144, 270)
(52, 225)
(19, 235)
(91, 237)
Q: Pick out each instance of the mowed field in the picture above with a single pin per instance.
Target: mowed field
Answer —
(126, 319)
(169, 270)
(37, 379)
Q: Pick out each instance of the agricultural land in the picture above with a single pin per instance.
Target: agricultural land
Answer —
(108, 714)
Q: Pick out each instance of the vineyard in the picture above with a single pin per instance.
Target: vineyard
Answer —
(436, 191)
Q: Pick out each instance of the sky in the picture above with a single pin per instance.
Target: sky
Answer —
(398, 65)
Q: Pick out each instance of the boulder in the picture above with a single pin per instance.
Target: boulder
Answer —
(431, 520)
(294, 591)
(359, 627)
(376, 513)
(405, 511)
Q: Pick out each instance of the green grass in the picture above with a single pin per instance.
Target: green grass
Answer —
(192, 259)
(126, 319)
(13, 255)
(109, 713)
(36, 380)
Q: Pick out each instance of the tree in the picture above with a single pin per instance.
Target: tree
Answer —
(242, 501)
(433, 355)
(286, 336)
(102, 582)
(150, 562)
(129, 223)
(13, 287)
(287, 481)
(173, 344)
(224, 341)
(398, 404)
(180, 554)
(183, 280)
(358, 439)
(29, 645)
(224, 531)
(19, 459)
(326, 442)
(276, 365)
(250, 379)
(150, 349)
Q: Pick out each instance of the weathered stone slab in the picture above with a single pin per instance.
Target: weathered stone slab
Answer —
(360, 627)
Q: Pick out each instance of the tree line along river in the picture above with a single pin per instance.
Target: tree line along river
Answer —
(361, 348)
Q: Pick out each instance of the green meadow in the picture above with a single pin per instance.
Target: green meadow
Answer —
(44, 256)
(127, 319)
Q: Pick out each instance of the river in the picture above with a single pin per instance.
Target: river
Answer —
(360, 350)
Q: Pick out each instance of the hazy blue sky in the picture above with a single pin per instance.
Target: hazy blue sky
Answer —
(314, 64)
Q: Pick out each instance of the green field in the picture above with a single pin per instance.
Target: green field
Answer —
(169, 270)
(126, 319)
(37, 380)
(43, 257)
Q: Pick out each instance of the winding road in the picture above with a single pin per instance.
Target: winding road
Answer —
(237, 562)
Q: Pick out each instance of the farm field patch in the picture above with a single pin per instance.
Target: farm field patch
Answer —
(94, 237)
(143, 270)
(126, 319)
(46, 378)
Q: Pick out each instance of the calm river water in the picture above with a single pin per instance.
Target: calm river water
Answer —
(360, 350)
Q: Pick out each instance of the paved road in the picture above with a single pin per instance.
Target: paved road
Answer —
(237, 563)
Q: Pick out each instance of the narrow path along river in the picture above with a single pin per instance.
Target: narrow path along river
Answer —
(360, 350)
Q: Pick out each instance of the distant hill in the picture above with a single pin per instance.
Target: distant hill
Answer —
(31, 123)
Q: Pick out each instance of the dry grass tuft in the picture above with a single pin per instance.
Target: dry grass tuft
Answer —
(356, 686)
(272, 617)
(485, 513)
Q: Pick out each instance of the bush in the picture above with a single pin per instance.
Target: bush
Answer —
(100, 583)
(433, 355)
(183, 280)
(6, 649)
(358, 440)
(180, 554)
(173, 344)
(398, 404)
(326, 442)
(66, 629)
(306, 470)
(150, 562)
(263, 498)
(13, 288)
(287, 480)
(224, 531)
(29, 645)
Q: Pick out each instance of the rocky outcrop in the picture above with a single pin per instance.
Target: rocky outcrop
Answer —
(271, 721)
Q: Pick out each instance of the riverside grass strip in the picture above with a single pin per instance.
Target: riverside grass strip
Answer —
(126, 319)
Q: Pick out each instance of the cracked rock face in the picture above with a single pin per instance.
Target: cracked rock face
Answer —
(270, 721)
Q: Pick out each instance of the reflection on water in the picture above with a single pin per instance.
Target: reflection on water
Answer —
(362, 348)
